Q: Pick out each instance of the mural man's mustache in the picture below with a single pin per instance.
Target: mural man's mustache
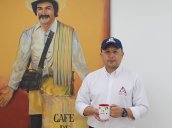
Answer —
(44, 16)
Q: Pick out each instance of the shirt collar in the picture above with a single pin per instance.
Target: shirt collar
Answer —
(114, 73)
(52, 28)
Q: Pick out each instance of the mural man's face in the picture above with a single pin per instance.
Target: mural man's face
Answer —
(45, 13)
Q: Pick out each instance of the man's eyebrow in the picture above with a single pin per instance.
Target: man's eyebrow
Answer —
(45, 7)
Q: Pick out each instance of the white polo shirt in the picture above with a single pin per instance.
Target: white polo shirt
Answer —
(121, 87)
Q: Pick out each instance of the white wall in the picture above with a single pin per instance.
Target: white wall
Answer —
(145, 29)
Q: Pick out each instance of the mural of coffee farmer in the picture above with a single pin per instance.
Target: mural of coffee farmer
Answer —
(55, 97)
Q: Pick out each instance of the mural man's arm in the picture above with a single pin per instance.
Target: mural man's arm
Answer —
(78, 59)
(18, 70)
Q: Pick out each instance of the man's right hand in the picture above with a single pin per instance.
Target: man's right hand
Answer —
(92, 111)
(6, 94)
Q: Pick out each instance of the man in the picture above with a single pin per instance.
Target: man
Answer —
(121, 89)
(64, 51)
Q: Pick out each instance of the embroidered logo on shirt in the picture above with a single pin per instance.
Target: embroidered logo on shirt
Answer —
(122, 91)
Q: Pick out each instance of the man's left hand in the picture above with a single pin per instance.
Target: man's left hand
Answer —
(115, 111)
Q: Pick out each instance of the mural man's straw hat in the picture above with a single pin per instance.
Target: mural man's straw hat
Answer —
(61, 3)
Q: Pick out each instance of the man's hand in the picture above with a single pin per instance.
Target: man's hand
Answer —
(6, 94)
(92, 111)
(115, 111)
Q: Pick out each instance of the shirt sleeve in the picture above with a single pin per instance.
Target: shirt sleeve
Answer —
(83, 98)
(21, 62)
(78, 60)
(140, 101)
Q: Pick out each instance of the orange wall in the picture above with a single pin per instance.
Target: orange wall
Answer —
(86, 16)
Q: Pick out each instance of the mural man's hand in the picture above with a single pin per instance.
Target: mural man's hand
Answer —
(6, 94)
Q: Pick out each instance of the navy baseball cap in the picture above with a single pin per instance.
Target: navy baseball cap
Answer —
(113, 41)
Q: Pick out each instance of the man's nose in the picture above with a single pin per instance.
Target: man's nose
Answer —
(111, 54)
(44, 11)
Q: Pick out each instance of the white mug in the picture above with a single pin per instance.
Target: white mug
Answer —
(104, 111)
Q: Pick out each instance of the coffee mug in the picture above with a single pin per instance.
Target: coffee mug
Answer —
(104, 111)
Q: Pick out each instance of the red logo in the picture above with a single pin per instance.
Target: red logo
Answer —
(122, 91)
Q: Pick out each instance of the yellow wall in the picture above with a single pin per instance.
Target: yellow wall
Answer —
(86, 16)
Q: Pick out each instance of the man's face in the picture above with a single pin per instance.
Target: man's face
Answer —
(112, 57)
(45, 13)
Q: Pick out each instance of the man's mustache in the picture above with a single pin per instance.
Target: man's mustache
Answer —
(44, 16)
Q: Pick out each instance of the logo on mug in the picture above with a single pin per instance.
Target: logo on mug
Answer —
(104, 110)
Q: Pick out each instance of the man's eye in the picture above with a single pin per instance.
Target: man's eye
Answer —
(107, 51)
(39, 9)
(48, 8)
